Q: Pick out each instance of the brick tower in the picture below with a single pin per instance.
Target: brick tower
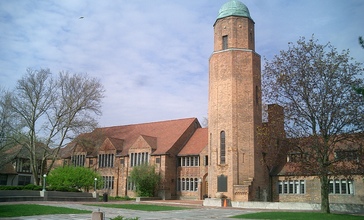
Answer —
(235, 108)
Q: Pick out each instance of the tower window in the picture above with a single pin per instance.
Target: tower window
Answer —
(222, 147)
(225, 42)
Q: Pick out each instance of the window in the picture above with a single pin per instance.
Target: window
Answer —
(187, 184)
(291, 187)
(225, 42)
(342, 186)
(137, 159)
(157, 160)
(222, 147)
(347, 155)
(131, 185)
(78, 160)
(206, 160)
(108, 182)
(23, 165)
(106, 160)
(3, 179)
(91, 161)
(191, 161)
(23, 180)
(295, 157)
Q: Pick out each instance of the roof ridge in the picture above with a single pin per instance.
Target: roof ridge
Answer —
(152, 122)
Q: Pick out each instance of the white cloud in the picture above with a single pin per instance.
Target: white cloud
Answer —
(152, 56)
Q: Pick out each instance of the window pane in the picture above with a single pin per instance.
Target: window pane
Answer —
(297, 187)
(290, 187)
(222, 147)
(337, 187)
(350, 187)
(285, 187)
(331, 186)
(302, 184)
(224, 42)
(343, 187)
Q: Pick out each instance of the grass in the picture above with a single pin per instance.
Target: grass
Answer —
(141, 207)
(297, 216)
(32, 209)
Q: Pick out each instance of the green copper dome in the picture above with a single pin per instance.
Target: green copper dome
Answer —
(235, 8)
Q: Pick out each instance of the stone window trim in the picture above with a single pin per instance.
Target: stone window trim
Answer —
(78, 160)
(187, 184)
(108, 182)
(347, 155)
(137, 159)
(225, 42)
(106, 160)
(291, 187)
(341, 186)
(222, 148)
(189, 161)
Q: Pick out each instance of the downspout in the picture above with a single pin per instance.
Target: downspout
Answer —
(117, 183)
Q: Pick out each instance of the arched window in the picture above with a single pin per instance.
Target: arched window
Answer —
(183, 184)
(222, 147)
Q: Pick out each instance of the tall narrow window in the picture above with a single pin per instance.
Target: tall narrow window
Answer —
(225, 42)
(222, 147)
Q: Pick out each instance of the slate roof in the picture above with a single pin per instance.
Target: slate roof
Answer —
(166, 134)
(196, 144)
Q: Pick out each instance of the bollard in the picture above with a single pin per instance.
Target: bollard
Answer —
(97, 215)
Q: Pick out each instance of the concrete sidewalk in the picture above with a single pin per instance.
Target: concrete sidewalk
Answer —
(197, 211)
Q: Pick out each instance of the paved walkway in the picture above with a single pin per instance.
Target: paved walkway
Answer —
(197, 211)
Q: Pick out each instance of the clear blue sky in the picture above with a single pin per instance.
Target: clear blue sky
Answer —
(152, 56)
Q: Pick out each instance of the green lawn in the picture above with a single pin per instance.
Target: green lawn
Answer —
(298, 216)
(32, 209)
(141, 207)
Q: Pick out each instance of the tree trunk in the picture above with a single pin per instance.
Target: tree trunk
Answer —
(325, 204)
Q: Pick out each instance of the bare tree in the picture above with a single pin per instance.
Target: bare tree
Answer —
(313, 83)
(7, 125)
(53, 110)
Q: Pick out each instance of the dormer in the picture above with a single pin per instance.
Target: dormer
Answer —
(141, 149)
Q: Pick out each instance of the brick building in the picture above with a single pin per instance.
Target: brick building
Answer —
(229, 158)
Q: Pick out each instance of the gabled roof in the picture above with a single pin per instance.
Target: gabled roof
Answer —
(111, 144)
(147, 141)
(168, 133)
(8, 169)
(196, 144)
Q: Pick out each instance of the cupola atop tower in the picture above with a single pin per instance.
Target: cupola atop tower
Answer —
(233, 8)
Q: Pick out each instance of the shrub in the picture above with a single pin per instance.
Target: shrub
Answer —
(145, 179)
(32, 187)
(70, 178)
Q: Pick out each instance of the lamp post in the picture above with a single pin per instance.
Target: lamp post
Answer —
(95, 184)
(44, 182)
